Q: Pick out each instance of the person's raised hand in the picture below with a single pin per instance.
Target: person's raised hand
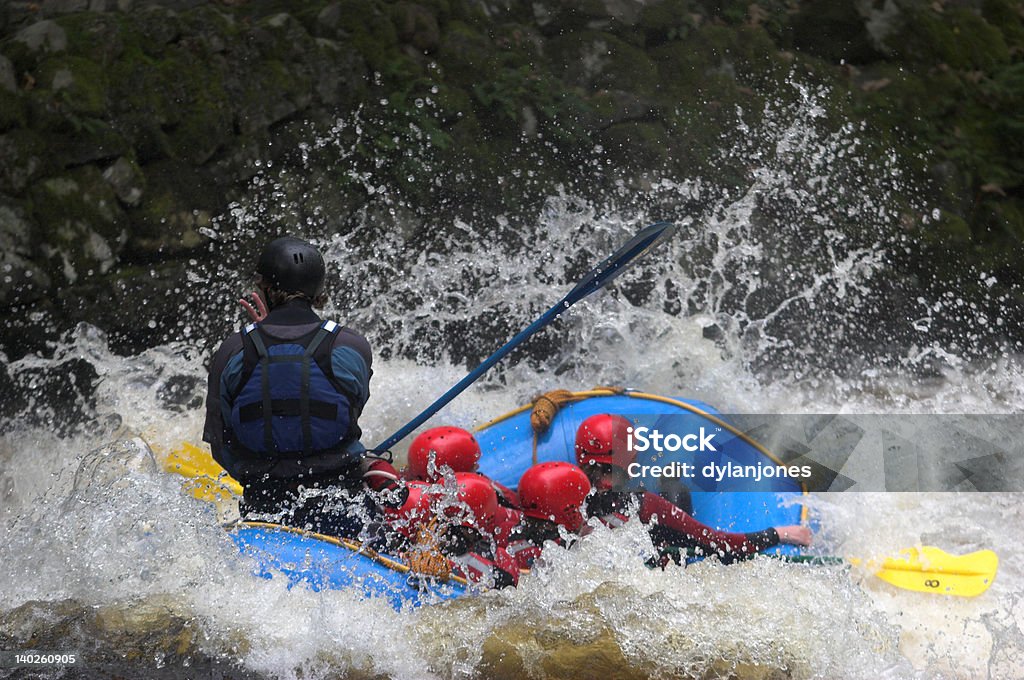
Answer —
(794, 535)
(257, 313)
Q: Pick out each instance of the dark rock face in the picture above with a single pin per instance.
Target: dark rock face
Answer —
(128, 126)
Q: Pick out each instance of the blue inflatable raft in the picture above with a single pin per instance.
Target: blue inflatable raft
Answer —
(324, 562)
(509, 448)
(732, 503)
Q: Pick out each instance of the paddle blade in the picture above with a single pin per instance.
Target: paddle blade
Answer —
(930, 570)
(648, 239)
(206, 479)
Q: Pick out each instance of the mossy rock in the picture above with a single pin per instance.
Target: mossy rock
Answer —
(154, 28)
(13, 110)
(82, 223)
(681, 65)
(177, 105)
(271, 92)
(950, 228)
(636, 145)
(416, 25)
(34, 42)
(467, 56)
(91, 140)
(78, 85)
(365, 25)
(24, 157)
(1005, 14)
(958, 37)
(833, 31)
(669, 20)
(596, 60)
(21, 278)
(98, 37)
(1008, 222)
(713, 57)
(178, 201)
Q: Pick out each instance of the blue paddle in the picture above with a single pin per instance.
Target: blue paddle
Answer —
(595, 279)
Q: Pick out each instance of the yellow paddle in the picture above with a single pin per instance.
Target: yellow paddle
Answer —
(930, 570)
(207, 480)
(926, 569)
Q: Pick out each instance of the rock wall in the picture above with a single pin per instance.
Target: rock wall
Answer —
(127, 126)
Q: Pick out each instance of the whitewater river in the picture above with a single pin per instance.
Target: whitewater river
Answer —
(102, 553)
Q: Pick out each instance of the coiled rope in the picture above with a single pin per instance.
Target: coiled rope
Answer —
(546, 406)
(425, 557)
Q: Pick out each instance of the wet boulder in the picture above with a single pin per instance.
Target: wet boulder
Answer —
(21, 278)
(83, 226)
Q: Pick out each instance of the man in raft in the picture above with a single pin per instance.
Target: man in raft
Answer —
(603, 454)
(455, 450)
(552, 495)
(453, 521)
(283, 403)
(448, 450)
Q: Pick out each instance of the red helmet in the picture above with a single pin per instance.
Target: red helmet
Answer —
(554, 491)
(451, 446)
(478, 496)
(416, 509)
(603, 439)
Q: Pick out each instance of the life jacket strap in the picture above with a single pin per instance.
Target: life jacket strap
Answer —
(327, 329)
(268, 406)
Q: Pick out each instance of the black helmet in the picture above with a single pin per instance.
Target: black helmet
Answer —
(293, 266)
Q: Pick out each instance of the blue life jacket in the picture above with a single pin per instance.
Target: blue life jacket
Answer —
(288, 403)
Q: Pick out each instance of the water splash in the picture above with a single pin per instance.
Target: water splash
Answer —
(769, 302)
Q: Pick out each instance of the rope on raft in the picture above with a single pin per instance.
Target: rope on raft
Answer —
(546, 406)
(425, 557)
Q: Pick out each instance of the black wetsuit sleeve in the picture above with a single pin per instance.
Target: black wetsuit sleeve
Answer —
(766, 538)
(685, 531)
(350, 338)
(213, 428)
(353, 340)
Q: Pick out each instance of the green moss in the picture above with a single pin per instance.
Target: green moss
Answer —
(1006, 16)
(76, 84)
(366, 25)
(80, 220)
(636, 145)
(13, 110)
(98, 37)
(176, 105)
(200, 116)
(716, 60)
(668, 21)
(833, 31)
(467, 56)
(958, 37)
(24, 157)
(950, 228)
(80, 195)
(598, 60)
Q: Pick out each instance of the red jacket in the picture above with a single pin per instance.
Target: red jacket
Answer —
(675, 527)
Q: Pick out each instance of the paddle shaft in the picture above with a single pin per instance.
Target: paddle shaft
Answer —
(473, 375)
(595, 279)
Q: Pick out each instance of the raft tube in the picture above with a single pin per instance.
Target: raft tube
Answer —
(733, 504)
(323, 562)
(327, 563)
